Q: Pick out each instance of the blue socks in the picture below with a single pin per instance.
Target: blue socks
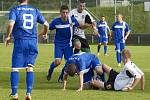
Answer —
(14, 78)
(105, 49)
(51, 69)
(98, 48)
(29, 81)
(118, 57)
(61, 75)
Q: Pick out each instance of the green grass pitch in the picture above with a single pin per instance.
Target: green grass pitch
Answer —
(52, 90)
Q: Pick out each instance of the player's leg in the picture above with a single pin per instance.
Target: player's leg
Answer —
(68, 52)
(58, 56)
(14, 78)
(30, 57)
(85, 45)
(99, 45)
(17, 62)
(105, 46)
(29, 81)
(122, 46)
(118, 53)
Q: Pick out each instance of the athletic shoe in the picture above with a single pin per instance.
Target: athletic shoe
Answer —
(14, 97)
(119, 64)
(28, 97)
(48, 77)
(106, 54)
(98, 54)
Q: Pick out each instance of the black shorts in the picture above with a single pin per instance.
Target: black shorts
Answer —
(109, 85)
(84, 42)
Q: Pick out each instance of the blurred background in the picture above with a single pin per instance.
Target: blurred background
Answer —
(136, 13)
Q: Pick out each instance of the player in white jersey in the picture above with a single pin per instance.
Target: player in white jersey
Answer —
(84, 19)
(126, 80)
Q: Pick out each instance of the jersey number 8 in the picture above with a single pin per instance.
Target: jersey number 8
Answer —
(28, 21)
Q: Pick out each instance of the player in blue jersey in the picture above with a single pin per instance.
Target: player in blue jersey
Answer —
(64, 26)
(22, 26)
(83, 64)
(103, 30)
(121, 32)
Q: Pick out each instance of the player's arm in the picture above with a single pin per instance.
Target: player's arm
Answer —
(142, 82)
(109, 31)
(81, 81)
(127, 30)
(135, 82)
(43, 33)
(65, 81)
(9, 31)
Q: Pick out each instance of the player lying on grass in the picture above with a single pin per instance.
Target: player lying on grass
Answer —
(126, 80)
(83, 64)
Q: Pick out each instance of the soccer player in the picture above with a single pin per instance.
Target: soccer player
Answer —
(84, 19)
(126, 80)
(64, 26)
(121, 32)
(103, 30)
(22, 25)
(83, 64)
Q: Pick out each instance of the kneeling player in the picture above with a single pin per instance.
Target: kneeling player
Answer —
(126, 80)
(83, 64)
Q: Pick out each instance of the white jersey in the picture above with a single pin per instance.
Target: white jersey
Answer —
(123, 80)
(82, 18)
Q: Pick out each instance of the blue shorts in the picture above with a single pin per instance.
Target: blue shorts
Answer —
(102, 39)
(88, 76)
(119, 47)
(95, 62)
(60, 51)
(24, 53)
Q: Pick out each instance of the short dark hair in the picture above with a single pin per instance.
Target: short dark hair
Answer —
(64, 7)
(71, 69)
(80, 1)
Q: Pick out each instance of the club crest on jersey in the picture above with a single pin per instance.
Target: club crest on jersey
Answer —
(82, 16)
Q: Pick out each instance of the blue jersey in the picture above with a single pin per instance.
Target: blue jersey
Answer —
(25, 18)
(120, 29)
(64, 30)
(84, 61)
(102, 28)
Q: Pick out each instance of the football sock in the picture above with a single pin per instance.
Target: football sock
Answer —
(29, 81)
(98, 48)
(14, 78)
(61, 75)
(105, 49)
(118, 57)
(51, 69)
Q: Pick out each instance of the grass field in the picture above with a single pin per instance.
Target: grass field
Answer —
(44, 90)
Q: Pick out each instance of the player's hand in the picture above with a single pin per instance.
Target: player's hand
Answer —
(7, 41)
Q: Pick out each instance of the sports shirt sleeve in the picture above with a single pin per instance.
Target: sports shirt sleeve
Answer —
(127, 29)
(40, 18)
(52, 25)
(12, 15)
